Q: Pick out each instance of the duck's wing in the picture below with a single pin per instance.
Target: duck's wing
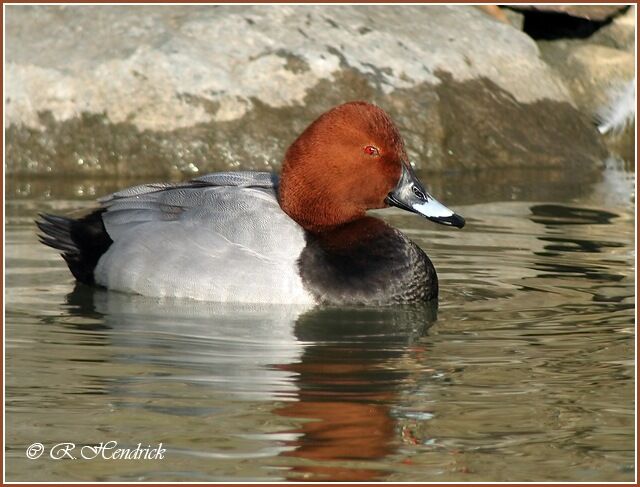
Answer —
(220, 237)
(215, 200)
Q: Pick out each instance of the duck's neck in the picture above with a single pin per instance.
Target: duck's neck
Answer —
(317, 208)
(352, 235)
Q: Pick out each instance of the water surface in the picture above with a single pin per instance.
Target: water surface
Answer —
(524, 372)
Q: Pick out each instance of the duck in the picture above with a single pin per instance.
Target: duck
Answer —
(303, 237)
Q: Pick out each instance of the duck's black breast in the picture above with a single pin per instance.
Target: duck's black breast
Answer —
(366, 262)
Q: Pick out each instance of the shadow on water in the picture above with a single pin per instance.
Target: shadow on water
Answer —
(330, 368)
(558, 215)
(557, 221)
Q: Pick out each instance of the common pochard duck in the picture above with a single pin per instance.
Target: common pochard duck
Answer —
(253, 237)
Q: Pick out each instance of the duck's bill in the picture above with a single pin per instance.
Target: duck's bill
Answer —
(410, 195)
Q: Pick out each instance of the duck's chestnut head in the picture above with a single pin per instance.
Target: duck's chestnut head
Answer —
(350, 160)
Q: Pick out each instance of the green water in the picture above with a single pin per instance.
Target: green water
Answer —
(525, 372)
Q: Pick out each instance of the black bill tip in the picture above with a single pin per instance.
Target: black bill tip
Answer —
(454, 220)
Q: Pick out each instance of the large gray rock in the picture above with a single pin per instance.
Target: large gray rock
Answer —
(598, 71)
(620, 33)
(132, 90)
(590, 70)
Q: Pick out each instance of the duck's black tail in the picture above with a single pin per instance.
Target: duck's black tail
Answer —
(81, 242)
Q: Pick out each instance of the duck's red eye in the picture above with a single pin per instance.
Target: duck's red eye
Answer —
(371, 150)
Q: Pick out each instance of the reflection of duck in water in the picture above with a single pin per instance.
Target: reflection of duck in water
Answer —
(348, 386)
(332, 372)
(251, 237)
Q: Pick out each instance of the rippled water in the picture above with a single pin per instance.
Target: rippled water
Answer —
(524, 373)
